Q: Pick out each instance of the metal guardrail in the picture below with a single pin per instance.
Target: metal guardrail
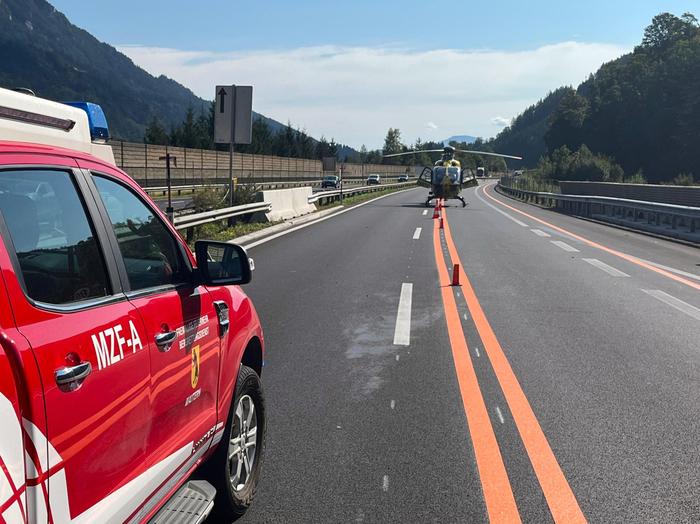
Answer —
(337, 194)
(197, 219)
(178, 190)
(665, 219)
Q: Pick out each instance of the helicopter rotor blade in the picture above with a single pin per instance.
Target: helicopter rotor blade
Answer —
(488, 154)
(414, 152)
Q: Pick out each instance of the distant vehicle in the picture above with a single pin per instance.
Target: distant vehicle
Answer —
(403, 178)
(518, 172)
(373, 180)
(480, 172)
(330, 181)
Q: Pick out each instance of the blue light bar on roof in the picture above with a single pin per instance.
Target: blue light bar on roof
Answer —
(99, 130)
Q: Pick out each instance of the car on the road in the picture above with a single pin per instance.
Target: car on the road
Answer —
(127, 362)
(480, 172)
(403, 178)
(373, 180)
(330, 181)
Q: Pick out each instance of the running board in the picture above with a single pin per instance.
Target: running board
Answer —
(191, 504)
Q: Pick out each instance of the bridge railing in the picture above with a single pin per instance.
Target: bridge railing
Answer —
(669, 220)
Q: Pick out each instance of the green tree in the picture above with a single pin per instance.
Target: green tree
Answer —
(322, 150)
(155, 133)
(187, 133)
(567, 122)
(392, 145)
(667, 29)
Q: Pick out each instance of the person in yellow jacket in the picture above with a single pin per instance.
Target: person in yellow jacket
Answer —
(448, 158)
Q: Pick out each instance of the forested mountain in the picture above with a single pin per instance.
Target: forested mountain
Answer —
(525, 136)
(641, 110)
(461, 139)
(40, 49)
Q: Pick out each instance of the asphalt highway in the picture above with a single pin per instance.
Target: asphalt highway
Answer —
(560, 382)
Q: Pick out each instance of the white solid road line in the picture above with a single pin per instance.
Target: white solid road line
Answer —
(540, 233)
(674, 302)
(385, 483)
(402, 333)
(608, 269)
(564, 246)
(302, 226)
(425, 212)
(416, 233)
(476, 192)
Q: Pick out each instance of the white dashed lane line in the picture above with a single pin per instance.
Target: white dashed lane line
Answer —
(564, 246)
(500, 415)
(674, 302)
(416, 233)
(603, 266)
(402, 333)
(385, 483)
(425, 212)
(540, 233)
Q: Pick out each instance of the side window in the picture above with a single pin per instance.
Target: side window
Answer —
(55, 243)
(150, 252)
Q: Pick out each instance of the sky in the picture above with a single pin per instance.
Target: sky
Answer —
(351, 70)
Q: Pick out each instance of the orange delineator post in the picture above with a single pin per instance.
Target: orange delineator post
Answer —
(455, 275)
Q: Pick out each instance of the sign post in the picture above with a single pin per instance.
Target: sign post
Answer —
(169, 211)
(233, 122)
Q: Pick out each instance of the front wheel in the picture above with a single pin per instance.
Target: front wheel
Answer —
(235, 466)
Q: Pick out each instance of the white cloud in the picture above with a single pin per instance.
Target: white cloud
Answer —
(431, 125)
(500, 121)
(355, 94)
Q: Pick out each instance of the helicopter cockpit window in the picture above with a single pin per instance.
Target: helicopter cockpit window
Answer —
(451, 172)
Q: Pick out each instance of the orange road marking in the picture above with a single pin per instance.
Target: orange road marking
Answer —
(560, 498)
(498, 494)
(591, 243)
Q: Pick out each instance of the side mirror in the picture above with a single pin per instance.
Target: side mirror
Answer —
(222, 264)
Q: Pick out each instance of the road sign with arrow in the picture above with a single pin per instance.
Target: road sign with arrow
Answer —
(233, 115)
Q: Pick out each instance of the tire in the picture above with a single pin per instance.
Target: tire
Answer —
(231, 503)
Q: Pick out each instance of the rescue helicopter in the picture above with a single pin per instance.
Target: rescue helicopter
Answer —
(446, 178)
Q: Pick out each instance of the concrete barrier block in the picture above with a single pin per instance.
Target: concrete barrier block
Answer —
(287, 203)
(301, 201)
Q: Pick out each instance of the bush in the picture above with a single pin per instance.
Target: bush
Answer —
(209, 199)
(583, 164)
(684, 179)
(637, 178)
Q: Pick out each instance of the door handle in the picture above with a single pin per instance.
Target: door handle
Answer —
(70, 376)
(165, 340)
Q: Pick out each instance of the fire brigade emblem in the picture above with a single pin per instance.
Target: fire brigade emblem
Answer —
(194, 375)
